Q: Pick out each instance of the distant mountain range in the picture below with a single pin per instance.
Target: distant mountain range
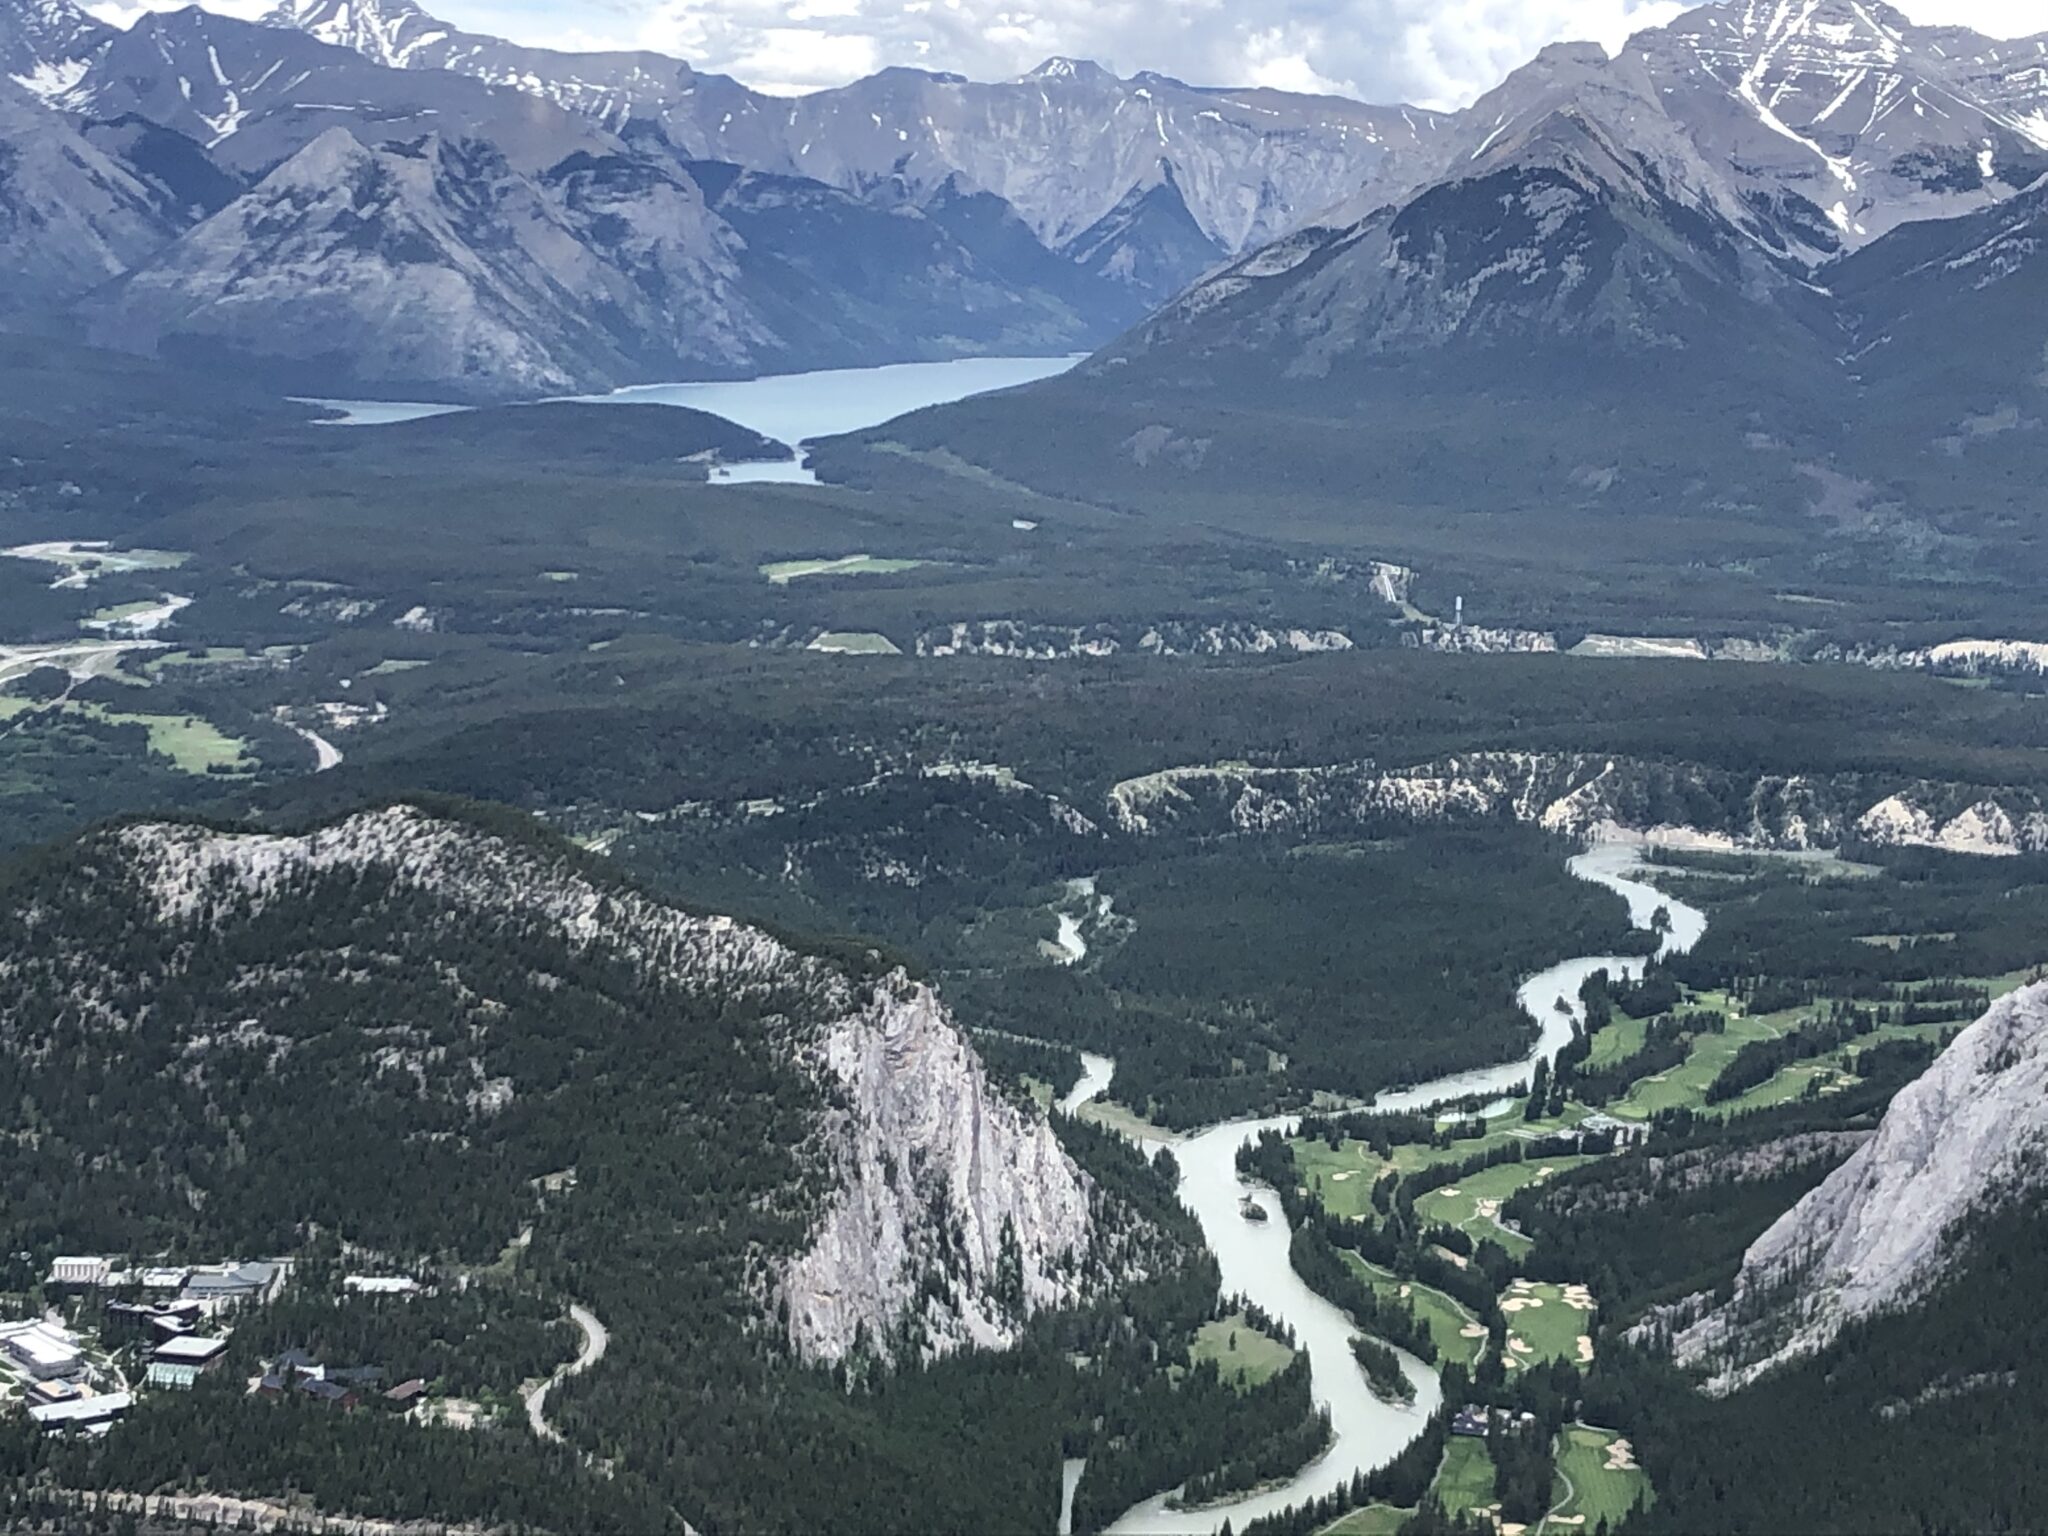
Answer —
(356, 196)
(1773, 276)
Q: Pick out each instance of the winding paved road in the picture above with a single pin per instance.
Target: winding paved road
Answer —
(595, 1342)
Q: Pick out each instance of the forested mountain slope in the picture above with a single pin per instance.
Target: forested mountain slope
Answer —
(871, 1182)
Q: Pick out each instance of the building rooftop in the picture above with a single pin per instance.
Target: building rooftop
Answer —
(40, 1343)
(381, 1285)
(190, 1349)
(82, 1410)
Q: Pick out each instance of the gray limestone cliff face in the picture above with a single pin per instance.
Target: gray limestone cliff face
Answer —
(958, 1214)
(1883, 1227)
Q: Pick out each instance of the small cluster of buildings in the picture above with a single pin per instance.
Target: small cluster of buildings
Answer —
(211, 1287)
(50, 1362)
(1474, 1422)
(163, 1310)
(172, 1315)
(344, 1387)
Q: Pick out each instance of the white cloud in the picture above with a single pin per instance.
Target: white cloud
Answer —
(1432, 52)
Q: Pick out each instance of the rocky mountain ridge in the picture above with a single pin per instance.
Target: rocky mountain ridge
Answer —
(1586, 796)
(1066, 144)
(1880, 1230)
(1697, 194)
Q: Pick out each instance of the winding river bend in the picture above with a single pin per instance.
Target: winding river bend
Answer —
(1366, 1433)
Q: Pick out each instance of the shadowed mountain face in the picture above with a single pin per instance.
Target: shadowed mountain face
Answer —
(1560, 239)
(71, 215)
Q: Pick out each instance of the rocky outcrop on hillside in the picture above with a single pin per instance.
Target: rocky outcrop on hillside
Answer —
(958, 1214)
(1587, 796)
(1050, 642)
(1574, 794)
(1878, 1232)
(1480, 640)
(945, 1214)
(1965, 658)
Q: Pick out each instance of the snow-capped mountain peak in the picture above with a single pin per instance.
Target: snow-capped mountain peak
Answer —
(1850, 106)
(390, 32)
(46, 46)
(1058, 68)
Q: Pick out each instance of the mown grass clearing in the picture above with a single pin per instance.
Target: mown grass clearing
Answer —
(1685, 1085)
(1373, 1520)
(1791, 1083)
(80, 563)
(783, 572)
(1554, 1322)
(1464, 1483)
(854, 643)
(1604, 1480)
(1348, 1171)
(1343, 1176)
(392, 668)
(1473, 1203)
(121, 612)
(195, 746)
(1445, 1319)
(1244, 1356)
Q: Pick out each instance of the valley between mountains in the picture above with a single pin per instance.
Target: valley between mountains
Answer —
(1074, 804)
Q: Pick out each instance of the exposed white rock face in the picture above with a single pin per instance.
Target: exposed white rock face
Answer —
(1588, 797)
(1985, 827)
(1065, 145)
(195, 873)
(1574, 795)
(1968, 658)
(1047, 642)
(940, 1176)
(1478, 640)
(1881, 1229)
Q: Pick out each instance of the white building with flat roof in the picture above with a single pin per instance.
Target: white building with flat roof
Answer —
(80, 1269)
(82, 1412)
(380, 1285)
(42, 1350)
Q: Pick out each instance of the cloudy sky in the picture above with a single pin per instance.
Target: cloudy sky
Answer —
(1438, 53)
